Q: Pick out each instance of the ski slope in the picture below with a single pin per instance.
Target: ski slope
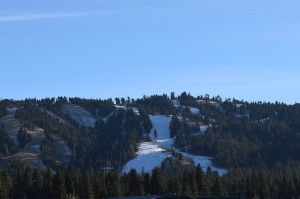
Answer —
(193, 110)
(151, 154)
(79, 115)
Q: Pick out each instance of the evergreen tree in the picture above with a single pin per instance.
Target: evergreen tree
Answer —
(47, 191)
(5, 185)
(37, 184)
(135, 185)
(263, 186)
(28, 183)
(218, 188)
(157, 182)
(175, 126)
(59, 185)
(155, 134)
(18, 191)
(112, 181)
(100, 186)
(87, 186)
(147, 185)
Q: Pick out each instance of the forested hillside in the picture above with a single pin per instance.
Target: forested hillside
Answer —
(257, 142)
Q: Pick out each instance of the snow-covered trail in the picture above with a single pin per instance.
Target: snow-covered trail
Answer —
(151, 154)
(79, 115)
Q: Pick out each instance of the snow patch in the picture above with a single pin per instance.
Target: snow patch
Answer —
(204, 162)
(176, 103)
(134, 109)
(151, 154)
(194, 110)
(203, 129)
(79, 115)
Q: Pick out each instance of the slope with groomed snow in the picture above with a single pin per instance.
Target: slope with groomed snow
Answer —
(79, 115)
(151, 154)
(193, 110)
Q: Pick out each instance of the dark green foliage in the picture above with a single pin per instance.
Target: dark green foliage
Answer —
(245, 183)
(242, 134)
(3, 110)
(155, 105)
(187, 99)
(5, 185)
(23, 137)
(7, 145)
(98, 107)
(59, 185)
(113, 184)
(175, 126)
(133, 184)
(48, 150)
(146, 121)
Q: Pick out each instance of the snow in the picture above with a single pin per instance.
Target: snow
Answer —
(134, 109)
(203, 128)
(161, 124)
(194, 110)
(264, 120)
(239, 116)
(151, 154)
(176, 103)
(79, 115)
(204, 162)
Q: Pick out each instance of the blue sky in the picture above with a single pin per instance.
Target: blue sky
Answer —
(246, 49)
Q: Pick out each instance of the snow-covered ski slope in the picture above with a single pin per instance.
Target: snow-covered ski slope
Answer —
(79, 115)
(193, 110)
(151, 154)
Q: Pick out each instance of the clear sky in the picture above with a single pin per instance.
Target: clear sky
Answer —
(247, 49)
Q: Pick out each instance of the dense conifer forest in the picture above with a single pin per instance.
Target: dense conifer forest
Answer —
(258, 142)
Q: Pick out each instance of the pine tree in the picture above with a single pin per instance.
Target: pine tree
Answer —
(175, 126)
(113, 185)
(88, 190)
(28, 183)
(157, 182)
(70, 181)
(218, 188)
(37, 184)
(47, 191)
(59, 185)
(155, 134)
(147, 186)
(263, 186)
(18, 191)
(135, 185)
(5, 185)
(100, 186)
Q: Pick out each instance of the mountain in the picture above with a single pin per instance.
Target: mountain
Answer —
(230, 143)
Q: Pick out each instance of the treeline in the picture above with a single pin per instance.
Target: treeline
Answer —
(155, 105)
(98, 107)
(280, 182)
